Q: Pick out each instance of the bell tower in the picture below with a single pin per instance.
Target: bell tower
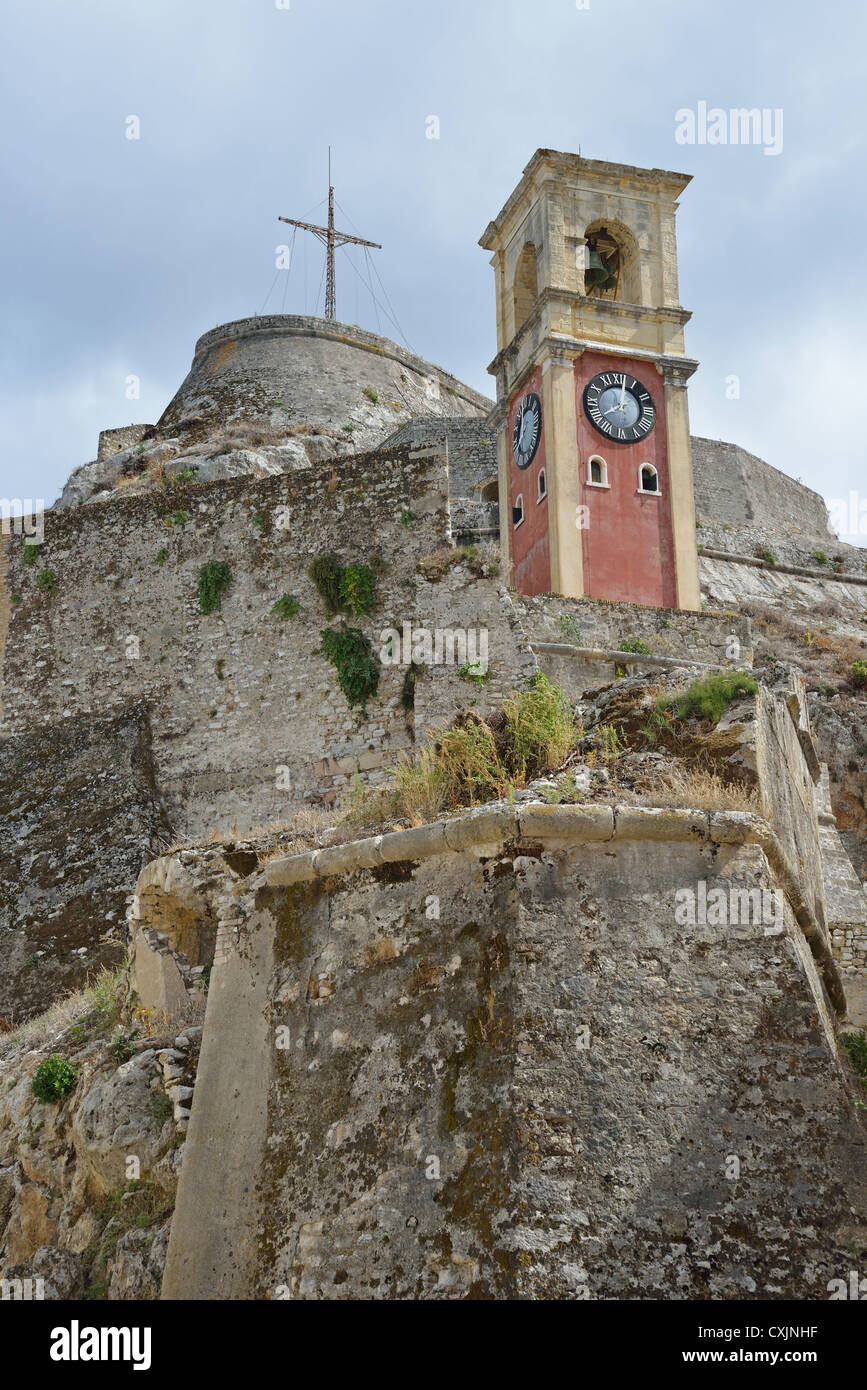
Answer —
(596, 493)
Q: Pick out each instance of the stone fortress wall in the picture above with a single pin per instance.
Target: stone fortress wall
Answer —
(245, 721)
(485, 1058)
(434, 982)
(734, 486)
(111, 442)
(296, 369)
(240, 694)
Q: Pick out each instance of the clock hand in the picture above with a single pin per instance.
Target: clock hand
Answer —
(623, 393)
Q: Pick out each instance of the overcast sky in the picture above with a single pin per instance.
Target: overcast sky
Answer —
(119, 253)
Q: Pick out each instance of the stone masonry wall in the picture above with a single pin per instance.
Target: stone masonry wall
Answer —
(472, 449)
(248, 721)
(488, 1059)
(112, 441)
(710, 638)
(753, 541)
(734, 486)
(80, 815)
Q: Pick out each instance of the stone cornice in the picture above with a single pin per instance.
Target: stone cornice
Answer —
(557, 825)
(837, 576)
(564, 345)
(573, 167)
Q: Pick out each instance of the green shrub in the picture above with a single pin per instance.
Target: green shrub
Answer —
(31, 554)
(407, 518)
(358, 589)
(856, 1046)
(54, 1078)
(344, 588)
(326, 573)
(484, 759)
(213, 581)
(121, 1048)
(570, 629)
(162, 556)
(474, 672)
(46, 580)
(608, 742)
(161, 1107)
(658, 722)
(768, 556)
(371, 394)
(540, 729)
(178, 519)
(353, 657)
(709, 697)
(859, 673)
(287, 606)
(818, 557)
(635, 644)
(183, 475)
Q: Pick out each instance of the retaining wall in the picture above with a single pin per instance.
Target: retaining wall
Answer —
(486, 1059)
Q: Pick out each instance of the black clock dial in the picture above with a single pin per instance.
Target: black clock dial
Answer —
(619, 407)
(527, 431)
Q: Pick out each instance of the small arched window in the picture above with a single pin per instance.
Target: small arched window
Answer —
(518, 510)
(543, 486)
(597, 471)
(648, 479)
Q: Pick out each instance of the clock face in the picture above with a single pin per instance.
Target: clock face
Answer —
(527, 431)
(619, 407)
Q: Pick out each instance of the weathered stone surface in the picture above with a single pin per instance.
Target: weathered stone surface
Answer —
(293, 369)
(249, 719)
(92, 479)
(80, 814)
(235, 463)
(738, 488)
(57, 1273)
(137, 1267)
(33, 1223)
(115, 1119)
(567, 1067)
(156, 978)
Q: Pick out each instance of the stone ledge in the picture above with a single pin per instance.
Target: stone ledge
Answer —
(623, 658)
(840, 576)
(502, 824)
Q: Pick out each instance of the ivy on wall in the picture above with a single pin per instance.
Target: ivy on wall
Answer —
(352, 655)
(213, 581)
(344, 588)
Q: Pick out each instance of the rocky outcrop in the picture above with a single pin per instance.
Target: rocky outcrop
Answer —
(87, 1182)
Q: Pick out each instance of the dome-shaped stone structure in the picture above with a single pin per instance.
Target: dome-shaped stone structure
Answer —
(293, 370)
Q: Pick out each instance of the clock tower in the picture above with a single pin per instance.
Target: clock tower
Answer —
(595, 472)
